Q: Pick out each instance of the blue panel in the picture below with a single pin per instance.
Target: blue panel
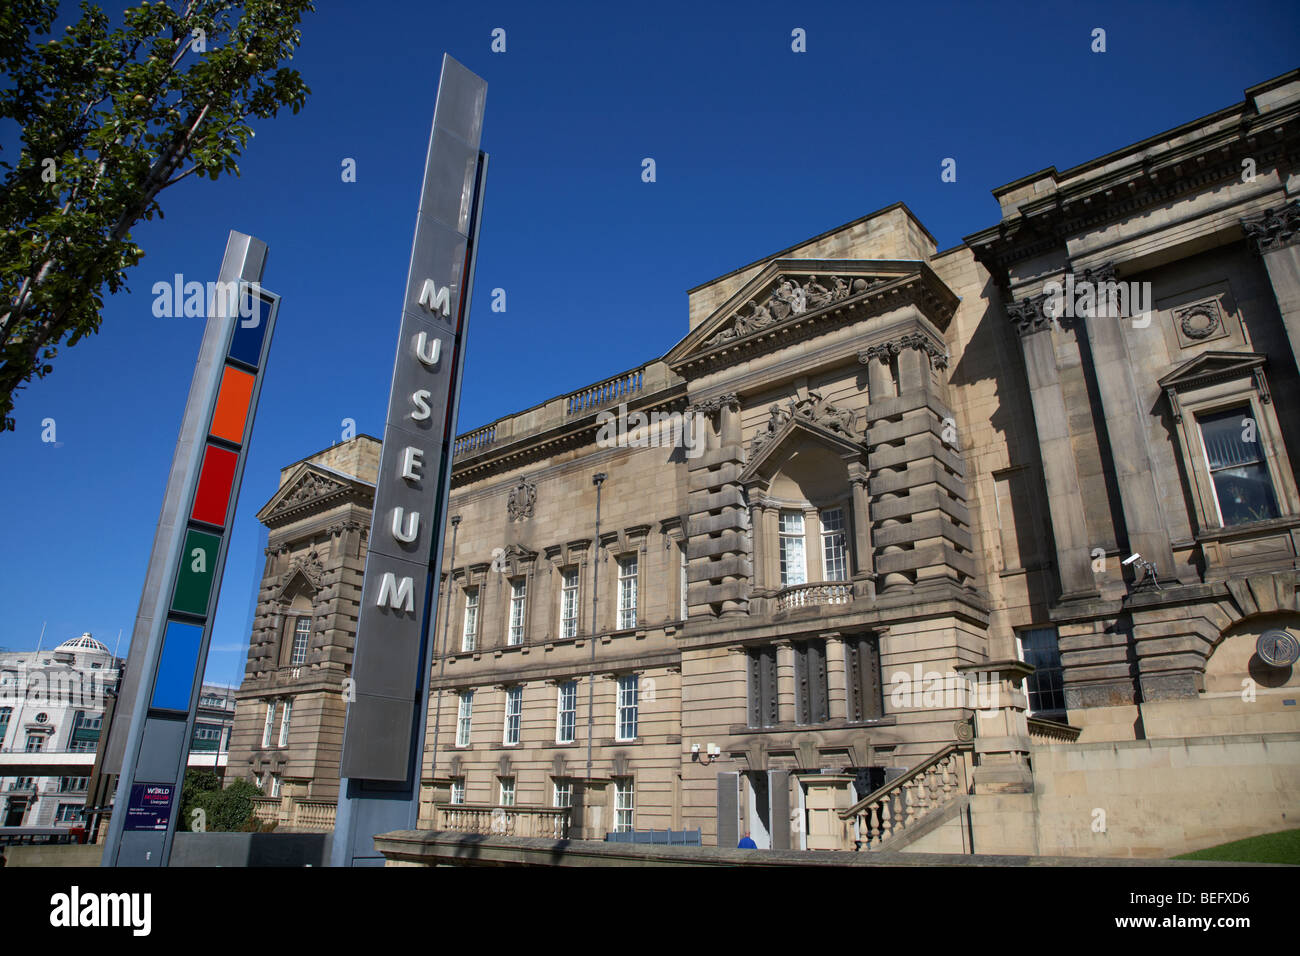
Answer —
(246, 343)
(180, 659)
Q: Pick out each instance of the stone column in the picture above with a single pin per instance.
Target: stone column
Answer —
(1126, 426)
(785, 680)
(864, 575)
(1275, 236)
(757, 506)
(880, 387)
(836, 677)
(1060, 469)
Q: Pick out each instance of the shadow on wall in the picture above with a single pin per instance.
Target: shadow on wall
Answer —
(251, 849)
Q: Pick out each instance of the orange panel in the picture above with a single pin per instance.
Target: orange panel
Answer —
(232, 405)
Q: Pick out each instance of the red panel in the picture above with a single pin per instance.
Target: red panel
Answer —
(215, 479)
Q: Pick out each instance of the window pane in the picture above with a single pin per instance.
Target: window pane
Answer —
(627, 592)
(518, 596)
(834, 564)
(569, 604)
(1241, 482)
(1046, 688)
(463, 718)
(793, 564)
(301, 635)
(470, 634)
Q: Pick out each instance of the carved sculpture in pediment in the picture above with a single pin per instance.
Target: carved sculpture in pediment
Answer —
(522, 498)
(814, 409)
(786, 299)
(816, 294)
(311, 568)
(309, 487)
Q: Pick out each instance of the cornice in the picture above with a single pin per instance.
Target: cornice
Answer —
(1042, 225)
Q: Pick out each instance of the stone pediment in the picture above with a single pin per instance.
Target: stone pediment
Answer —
(792, 298)
(1211, 367)
(812, 417)
(306, 490)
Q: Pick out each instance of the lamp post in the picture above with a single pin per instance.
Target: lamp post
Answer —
(598, 480)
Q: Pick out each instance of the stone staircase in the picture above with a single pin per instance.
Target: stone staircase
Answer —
(914, 804)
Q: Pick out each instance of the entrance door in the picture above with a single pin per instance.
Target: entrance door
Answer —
(759, 813)
(17, 810)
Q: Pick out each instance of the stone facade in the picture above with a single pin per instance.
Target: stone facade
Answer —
(900, 473)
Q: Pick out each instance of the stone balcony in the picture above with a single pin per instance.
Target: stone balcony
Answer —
(295, 814)
(813, 595)
(549, 822)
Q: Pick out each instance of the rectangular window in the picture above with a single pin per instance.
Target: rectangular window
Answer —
(1045, 686)
(514, 707)
(275, 784)
(85, 733)
(5, 713)
(627, 592)
(627, 706)
(469, 636)
(569, 603)
(1242, 487)
(35, 743)
(269, 726)
(284, 723)
(566, 717)
(834, 561)
(518, 599)
(463, 718)
(794, 568)
(301, 635)
(73, 784)
(862, 664)
(624, 804)
(762, 687)
(507, 791)
(811, 694)
(69, 813)
(562, 795)
(458, 790)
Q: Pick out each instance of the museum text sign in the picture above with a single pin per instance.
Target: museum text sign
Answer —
(391, 657)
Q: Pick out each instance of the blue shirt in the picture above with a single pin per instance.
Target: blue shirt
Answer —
(746, 844)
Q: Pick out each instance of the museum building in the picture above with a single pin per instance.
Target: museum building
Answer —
(954, 547)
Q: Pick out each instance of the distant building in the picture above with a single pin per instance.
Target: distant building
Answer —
(52, 702)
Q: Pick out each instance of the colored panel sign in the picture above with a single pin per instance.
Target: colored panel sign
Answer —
(215, 479)
(232, 405)
(194, 579)
(176, 667)
(246, 343)
(150, 806)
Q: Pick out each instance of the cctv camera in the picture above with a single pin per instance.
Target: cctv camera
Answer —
(1131, 558)
(695, 748)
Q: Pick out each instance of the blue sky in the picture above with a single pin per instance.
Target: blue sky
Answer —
(756, 148)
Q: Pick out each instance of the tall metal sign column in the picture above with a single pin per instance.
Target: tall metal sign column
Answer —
(169, 646)
(383, 739)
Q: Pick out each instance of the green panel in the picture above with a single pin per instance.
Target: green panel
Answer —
(194, 580)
